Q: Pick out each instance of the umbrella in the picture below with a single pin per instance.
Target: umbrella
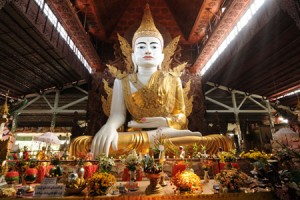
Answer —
(285, 136)
(49, 138)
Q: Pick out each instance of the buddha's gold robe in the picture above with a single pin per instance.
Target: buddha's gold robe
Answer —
(162, 96)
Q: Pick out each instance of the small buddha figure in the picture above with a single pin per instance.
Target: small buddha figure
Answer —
(89, 155)
(42, 155)
(182, 152)
(43, 167)
(15, 155)
(152, 96)
(25, 154)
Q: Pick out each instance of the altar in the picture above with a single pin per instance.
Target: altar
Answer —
(168, 193)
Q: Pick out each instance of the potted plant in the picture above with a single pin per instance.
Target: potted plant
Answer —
(153, 171)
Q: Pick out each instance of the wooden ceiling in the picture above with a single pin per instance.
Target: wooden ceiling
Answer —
(263, 59)
(31, 62)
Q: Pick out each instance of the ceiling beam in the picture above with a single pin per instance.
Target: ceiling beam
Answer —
(225, 25)
(208, 11)
(237, 109)
(68, 17)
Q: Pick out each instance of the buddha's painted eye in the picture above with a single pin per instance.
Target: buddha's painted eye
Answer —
(141, 47)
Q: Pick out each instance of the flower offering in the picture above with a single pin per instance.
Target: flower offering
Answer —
(207, 164)
(100, 182)
(105, 163)
(254, 155)
(132, 161)
(227, 156)
(158, 142)
(151, 166)
(232, 179)
(186, 181)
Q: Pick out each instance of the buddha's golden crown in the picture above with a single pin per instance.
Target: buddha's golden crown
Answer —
(147, 28)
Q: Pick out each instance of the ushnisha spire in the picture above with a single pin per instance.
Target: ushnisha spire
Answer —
(147, 27)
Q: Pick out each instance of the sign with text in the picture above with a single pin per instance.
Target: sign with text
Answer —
(49, 181)
(49, 190)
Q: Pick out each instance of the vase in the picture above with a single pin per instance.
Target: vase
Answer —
(154, 187)
(206, 176)
(132, 175)
(132, 181)
(162, 181)
(254, 171)
(80, 171)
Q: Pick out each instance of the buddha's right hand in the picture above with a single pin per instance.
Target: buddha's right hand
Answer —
(105, 137)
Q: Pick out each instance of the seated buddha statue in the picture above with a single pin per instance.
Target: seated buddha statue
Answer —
(153, 96)
(42, 156)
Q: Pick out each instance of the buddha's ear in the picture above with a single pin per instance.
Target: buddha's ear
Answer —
(161, 60)
(134, 62)
(162, 57)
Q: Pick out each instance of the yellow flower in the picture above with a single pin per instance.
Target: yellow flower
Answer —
(232, 179)
(100, 182)
(186, 180)
(254, 155)
(227, 156)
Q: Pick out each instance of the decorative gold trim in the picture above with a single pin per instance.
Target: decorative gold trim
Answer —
(147, 27)
(169, 52)
(106, 103)
(188, 101)
(126, 51)
(176, 71)
(135, 81)
(116, 73)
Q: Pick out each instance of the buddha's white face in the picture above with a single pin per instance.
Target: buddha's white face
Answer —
(147, 52)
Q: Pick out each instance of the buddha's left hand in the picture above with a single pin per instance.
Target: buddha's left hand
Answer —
(149, 122)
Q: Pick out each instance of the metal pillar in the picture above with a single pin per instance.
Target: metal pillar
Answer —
(14, 122)
(272, 127)
(53, 119)
(237, 121)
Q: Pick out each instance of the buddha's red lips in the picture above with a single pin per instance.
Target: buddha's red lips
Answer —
(147, 57)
